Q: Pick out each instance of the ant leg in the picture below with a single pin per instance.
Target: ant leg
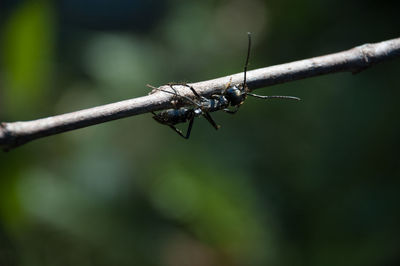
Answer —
(175, 93)
(194, 92)
(154, 89)
(232, 112)
(186, 85)
(209, 119)
(191, 88)
(177, 131)
(187, 98)
(274, 96)
(227, 85)
(189, 129)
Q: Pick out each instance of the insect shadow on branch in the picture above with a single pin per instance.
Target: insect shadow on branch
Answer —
(232, 96)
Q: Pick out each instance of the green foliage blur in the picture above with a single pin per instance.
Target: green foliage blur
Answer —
(314, 182)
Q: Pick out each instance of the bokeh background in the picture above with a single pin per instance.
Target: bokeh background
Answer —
(314, 182)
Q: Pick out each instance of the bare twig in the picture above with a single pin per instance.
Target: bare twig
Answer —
(354, 60)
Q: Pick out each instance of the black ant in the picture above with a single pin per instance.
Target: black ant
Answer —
(202, 106)
(232, 96)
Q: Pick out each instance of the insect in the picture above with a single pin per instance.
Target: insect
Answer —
(233, 96)
(200, 106)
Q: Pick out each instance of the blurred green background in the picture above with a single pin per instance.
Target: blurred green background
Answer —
(281, 183)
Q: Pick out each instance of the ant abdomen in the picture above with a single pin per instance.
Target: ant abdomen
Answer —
(173, 116)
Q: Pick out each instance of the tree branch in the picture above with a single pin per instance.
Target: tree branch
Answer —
(354, 60)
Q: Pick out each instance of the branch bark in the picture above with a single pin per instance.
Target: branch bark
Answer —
(357, 59)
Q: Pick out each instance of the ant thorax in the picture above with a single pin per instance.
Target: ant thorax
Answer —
(214, 103)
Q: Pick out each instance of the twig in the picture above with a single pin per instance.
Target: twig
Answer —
(354, 60)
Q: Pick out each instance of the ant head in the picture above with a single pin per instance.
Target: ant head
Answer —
(235, 95)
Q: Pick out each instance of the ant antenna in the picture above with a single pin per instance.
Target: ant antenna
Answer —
(247, 59)
(274, 96)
